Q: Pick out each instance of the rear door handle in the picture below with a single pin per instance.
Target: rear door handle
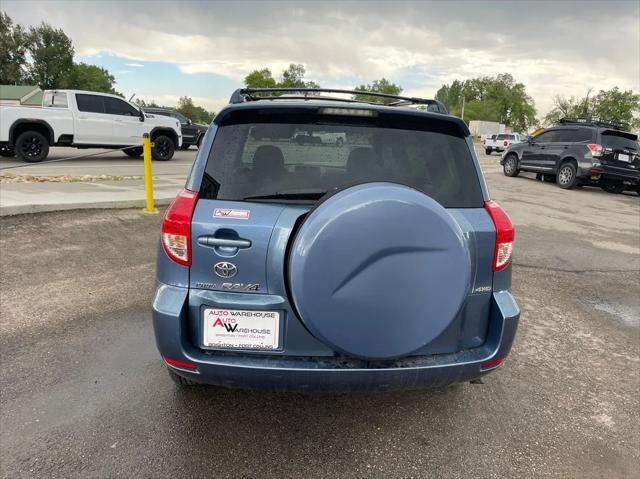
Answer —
(233, 243)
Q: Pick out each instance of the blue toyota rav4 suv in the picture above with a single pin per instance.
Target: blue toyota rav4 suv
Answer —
(328, 244)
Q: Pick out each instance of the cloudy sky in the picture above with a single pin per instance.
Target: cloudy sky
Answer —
(165, 49)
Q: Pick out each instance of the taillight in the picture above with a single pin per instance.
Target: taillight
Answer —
(595, 149)
(492, 363)
(180, 364)
(505, 235)
(176, 227)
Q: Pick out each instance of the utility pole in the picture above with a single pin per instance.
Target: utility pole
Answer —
(462, 106)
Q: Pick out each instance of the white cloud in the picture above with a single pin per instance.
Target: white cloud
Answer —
(559, 47)
(134, 65)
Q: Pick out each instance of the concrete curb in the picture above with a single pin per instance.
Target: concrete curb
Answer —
(43, 208)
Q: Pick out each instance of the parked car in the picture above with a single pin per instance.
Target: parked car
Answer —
(83, 119)
(380, 265)
(501, 142)
(579, 152)
(192, 133)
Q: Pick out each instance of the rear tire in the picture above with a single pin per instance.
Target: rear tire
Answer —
(179, 380)
(163, 148)
(615, 187)
(32, 146)
(488, 151)
(566, 178)
(510, 166)
(133, 152)
(7, 151)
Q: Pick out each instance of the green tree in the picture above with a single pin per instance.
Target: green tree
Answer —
(51, 52)
(194, 112)
(450, 95)
(572, 107)
(498, 98)
(622, 107)
(89, 77)
(378, 86)
(260, 79)
(618, 106)
(292, 77)
(13, 49)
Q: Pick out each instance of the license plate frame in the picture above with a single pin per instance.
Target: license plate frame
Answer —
(249, 334)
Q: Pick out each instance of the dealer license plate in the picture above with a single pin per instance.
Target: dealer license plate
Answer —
(241, 329)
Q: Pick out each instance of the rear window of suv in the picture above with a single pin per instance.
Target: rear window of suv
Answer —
(316, 154)
(619, 140)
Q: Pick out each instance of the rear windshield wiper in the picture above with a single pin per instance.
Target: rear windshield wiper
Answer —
(301, 194)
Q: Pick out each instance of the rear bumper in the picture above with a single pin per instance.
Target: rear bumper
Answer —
(629, 175)
(254, 371)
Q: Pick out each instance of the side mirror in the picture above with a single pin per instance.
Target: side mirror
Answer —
(189, 122)
(530, 140)
(141, 115)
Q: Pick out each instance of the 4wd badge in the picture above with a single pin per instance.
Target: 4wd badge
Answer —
(231, 214)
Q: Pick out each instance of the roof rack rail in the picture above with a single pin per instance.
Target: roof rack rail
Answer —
(242, 95)
(592, 121)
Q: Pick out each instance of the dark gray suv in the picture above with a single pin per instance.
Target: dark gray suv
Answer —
(192, 133)
(378, 262)
(579, 152)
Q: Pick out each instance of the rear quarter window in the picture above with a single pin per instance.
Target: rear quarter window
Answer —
(90, 103)
(251, 159)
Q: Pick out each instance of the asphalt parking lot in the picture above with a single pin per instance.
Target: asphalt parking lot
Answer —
(103, 162)
(84, 393)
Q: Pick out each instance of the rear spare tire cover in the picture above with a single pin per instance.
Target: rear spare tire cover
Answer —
(378, 270)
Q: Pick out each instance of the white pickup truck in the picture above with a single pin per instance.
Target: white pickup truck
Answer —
(84, 119)
(501, 142)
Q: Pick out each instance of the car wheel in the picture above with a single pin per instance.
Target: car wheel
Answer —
(137, 151)
(566, 178)
(179, 380)
(184, 147)
(615, 187)
(488, 151)
(7, 151)
(163, 148)
(32, 146)
(510, 166)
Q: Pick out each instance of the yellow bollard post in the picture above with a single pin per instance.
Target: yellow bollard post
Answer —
(148, 178)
